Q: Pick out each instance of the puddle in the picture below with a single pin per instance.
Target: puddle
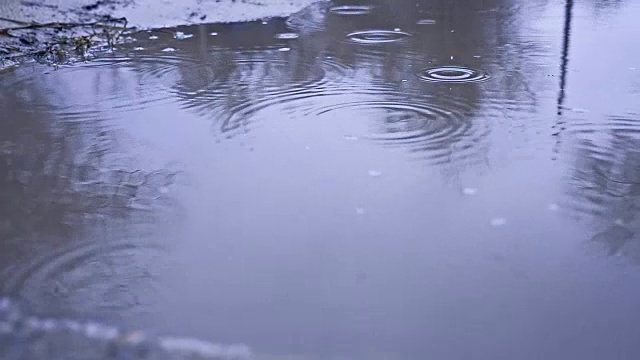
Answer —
(291, 184)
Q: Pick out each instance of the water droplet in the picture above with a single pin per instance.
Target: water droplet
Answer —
(180, 35)
(374, 173)
(377, 36)
(469, 191)
(498, 221)
(452, 74)
(453, 31)
(153, 37)
(169, 49)
(426, 22)
(287, 36)
(351, 9)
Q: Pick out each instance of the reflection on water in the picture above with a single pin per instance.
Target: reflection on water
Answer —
(367, 179)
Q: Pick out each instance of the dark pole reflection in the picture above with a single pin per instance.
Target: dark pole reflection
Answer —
(565, 53)
(564, 63)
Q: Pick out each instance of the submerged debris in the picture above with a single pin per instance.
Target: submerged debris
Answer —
(58, 42)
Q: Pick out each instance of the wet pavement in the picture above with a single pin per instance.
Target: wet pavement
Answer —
(362, 180)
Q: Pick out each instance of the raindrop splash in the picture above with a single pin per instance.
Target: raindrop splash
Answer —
(377, 36)
(452, 74)
(351, 9)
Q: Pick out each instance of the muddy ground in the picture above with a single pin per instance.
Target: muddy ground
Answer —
(56, 31)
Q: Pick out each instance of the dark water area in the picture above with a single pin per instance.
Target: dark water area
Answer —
(363, 180)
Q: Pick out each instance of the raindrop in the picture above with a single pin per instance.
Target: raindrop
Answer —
(498, 221)
(180, 35)
(377, 36)
(452, 74)
(469, 191)
(351, 9)
(287, 36)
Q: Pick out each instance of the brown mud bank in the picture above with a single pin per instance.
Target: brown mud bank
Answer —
(55, 31)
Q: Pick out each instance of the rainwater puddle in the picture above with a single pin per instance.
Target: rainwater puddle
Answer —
(335, 184)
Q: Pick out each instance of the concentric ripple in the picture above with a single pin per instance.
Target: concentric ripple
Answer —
(377, 36)
(606, 172)
(114, 278)
(419, 124)
(438, 128)
(268, 74)
(351, 9)
(452, 74)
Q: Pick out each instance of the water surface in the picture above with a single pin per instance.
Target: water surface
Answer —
(363, 180)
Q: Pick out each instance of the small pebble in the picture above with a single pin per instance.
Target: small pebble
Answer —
(374, 173)
(498, 221)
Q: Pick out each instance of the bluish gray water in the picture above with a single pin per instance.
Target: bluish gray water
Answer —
(362, 180)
